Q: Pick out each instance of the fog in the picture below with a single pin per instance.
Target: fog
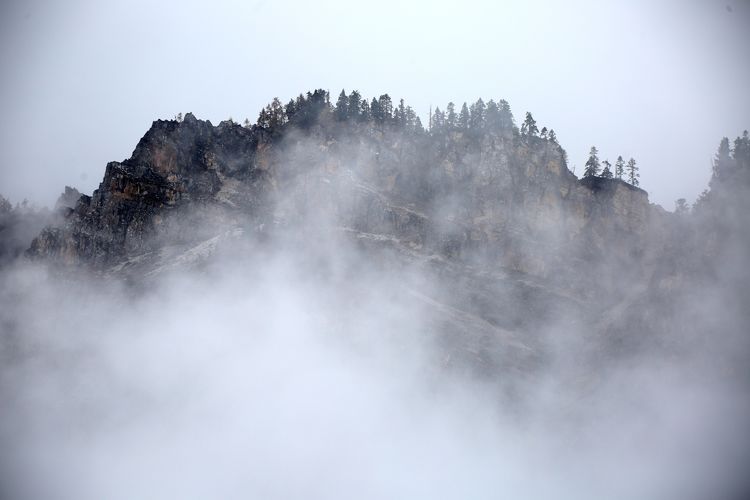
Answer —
(300, 364)
(658, 82)
(257, 381)
(357, 310)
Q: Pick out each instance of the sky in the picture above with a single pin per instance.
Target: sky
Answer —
(81, 81)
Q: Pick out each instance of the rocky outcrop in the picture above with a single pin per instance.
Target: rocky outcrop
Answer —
(173, 189)
(516, 241)
(498, 199)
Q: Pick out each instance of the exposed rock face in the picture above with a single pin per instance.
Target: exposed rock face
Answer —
(501, 200)
(499, 216)
(167, 192)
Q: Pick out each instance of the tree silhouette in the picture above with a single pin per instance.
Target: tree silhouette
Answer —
(592, 164)
(619, 167)
(463, 117)
(353, 104)
(451, 120)
(477, 115)
(506, 116)
(529, 127)
(633, 174)
(438, 120)
(342, 106)
(606, 172)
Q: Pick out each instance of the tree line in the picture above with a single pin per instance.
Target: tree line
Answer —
(474, 119)
(730, 168)
(622, 171)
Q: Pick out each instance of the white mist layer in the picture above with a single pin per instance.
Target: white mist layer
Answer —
(270, 384)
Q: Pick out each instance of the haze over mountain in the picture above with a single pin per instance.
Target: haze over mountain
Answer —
(337, 301)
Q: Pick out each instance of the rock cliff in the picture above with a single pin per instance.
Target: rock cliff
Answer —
(501, 199)
(497, 215)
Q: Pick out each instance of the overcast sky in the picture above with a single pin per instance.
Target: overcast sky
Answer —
(81, 81)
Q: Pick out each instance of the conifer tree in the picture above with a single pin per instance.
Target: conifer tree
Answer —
(409, 117)
(529, 127)
(365, 114)
(451, 120)
(741, 153)
(722, 162)
(606, 171)
(276, 114)
(506, 116)
(543, 133)
(375, 111)
(353, 104)
(492, 116)
(386, 107)
(290, 109)
(477, 115)
(400, 114)
(438, 120)
(619, 167)
(342, 106)
(633, 174)
(264, 118)
(418, 125)
(463, 117)
(592, 164)
(552, 136)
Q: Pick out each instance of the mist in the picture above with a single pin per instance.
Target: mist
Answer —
(262, 381)
(322, 357)
(359, 296)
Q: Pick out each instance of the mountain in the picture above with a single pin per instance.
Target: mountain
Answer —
(490, 212)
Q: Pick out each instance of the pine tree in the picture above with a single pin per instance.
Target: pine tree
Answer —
(492, 116)
(276, 114)
(418, 125)
(409, 118)
(606, 172)
(619, 167)
(451, 120)
(353, 104)
(552, 136)
(376, 112)
(365, 113)
(463, 117)
(592, 164)
(386, 108)
(529, 127)
(633, 174)
(290, 109)
(342, 106)
(543, 133)
(722, 163)
(400, 115)
(264, 118)
(477, 115)
(438, 120)
(741, 152)
(506, 116)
